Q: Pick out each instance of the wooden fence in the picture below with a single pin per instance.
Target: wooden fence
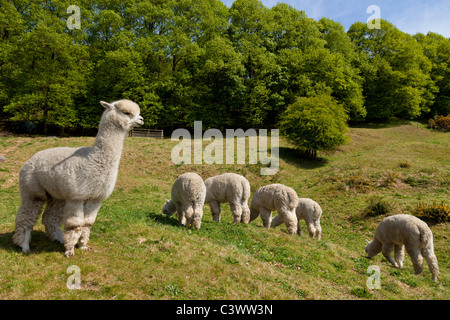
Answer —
(149, 133)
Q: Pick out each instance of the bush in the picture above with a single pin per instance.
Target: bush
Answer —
(435, 213)
(404, 164)
(315, 123)
(377, 207)
(443, 123)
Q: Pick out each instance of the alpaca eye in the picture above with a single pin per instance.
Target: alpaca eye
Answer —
(127, 113)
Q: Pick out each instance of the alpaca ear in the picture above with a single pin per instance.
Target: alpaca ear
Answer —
(107, 105)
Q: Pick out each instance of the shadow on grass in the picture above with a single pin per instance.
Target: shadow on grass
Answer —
(39, 243)
(298, 158)
(383, 124)
(162, 219)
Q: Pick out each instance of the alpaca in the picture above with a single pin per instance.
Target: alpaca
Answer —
(275, 197)
(188, 197)
(310, 211)
(73, 182)
(399, 231)
(232, 188)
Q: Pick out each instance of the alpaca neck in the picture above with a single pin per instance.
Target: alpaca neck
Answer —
(108, 144)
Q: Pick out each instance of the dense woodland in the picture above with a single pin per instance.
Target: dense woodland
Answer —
(185, 60)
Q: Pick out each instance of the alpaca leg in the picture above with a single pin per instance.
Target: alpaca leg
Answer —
(28, 212)
(266, 216)
(215, 210)
(52, 219)
(188, 212)
(387, 249)
(318, 232)
(245, 212)
(236, 210)
(290, 220)
(416, 258)
(428, 254)
(399, 255)
(311, 228)
(197, 216)
(73, 220)
(90, 214)
(180, 213)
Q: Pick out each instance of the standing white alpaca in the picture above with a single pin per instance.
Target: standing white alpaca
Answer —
(73, 182)
(232, 188)
(403, 230)
(188, 197)
(310, 211)
(275, 197)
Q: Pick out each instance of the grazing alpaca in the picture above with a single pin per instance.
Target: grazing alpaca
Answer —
(188, 197)
(275, 197)
(232, 188)
(310, 211)
(400, 231)
(73, 182)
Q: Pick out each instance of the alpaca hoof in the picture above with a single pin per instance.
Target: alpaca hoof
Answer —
(26, 250)
(69, 253)
(85, 248)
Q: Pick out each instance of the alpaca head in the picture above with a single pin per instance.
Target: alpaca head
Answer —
(372, 248)
(124, 114)
(169, 208)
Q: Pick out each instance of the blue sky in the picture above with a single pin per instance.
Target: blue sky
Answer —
(410, 16)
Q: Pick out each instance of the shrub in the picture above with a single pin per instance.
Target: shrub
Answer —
(361, 292)
(377, 206)
(390, 178)
(315, 123)
(404, 164)
(435, 213)
(443, 123)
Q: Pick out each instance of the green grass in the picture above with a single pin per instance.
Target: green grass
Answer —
(138, 253)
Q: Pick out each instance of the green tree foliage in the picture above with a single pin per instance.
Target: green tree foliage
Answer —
(437, 49)
(397, 80)
(189, 60)
(315, 123)
(49, 67)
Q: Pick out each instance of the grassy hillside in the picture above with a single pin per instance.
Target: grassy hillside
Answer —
(137, 253)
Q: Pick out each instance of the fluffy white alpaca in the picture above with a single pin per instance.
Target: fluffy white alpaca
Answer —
(232, 188)
(188, 197)
(310, 211)
(275, 197)
(73, 182)
(404, 231)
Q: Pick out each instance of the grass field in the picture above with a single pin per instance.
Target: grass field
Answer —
(137, 253)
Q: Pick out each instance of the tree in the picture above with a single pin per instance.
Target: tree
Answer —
(437, 49)
(315, 123)
(397, 80)
(50, 69)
